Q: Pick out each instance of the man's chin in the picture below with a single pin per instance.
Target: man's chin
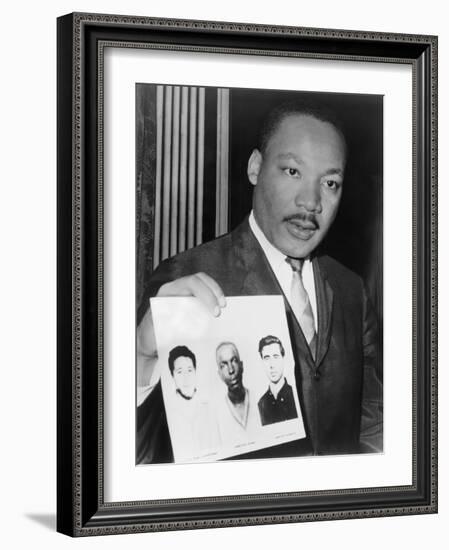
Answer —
(299, 249)
(295, 247)
(188, 393)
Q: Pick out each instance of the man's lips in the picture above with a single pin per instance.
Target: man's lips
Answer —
(301, 228)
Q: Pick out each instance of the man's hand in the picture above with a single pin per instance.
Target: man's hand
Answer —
(199, 285)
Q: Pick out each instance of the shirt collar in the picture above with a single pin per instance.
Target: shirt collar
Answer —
(276, 389)
(274, 256)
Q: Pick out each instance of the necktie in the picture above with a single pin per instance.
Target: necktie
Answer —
(299, 300)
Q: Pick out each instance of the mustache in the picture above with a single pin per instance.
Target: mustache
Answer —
(307, 218)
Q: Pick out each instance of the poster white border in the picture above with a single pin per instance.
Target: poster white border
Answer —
(123, 481)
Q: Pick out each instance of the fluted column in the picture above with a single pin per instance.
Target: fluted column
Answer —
(178, 206)
(222, 198)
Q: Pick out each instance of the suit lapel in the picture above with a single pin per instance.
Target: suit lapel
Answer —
(258, 278)
(325, 301)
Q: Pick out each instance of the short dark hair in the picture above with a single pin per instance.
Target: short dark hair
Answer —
(274, 118)
(268, 340)
(227, 343)
(176, 353)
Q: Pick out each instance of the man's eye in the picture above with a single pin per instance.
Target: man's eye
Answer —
(292, 172)
(332, 184)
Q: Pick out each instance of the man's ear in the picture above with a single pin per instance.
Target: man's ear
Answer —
(254, 164)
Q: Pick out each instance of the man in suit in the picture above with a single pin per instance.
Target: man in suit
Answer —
(277, 403)
(297, 172)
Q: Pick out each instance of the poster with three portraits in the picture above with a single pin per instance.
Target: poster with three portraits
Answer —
(258, 274)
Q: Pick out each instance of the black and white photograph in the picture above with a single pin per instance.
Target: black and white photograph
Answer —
(246, 275)
(228, 384)
(258, 193)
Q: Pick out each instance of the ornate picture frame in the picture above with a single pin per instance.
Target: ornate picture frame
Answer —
(82, 508)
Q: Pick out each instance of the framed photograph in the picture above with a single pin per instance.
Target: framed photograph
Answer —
(247, 278)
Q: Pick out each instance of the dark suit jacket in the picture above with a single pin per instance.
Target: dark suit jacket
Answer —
(340, 393)
(277, 409)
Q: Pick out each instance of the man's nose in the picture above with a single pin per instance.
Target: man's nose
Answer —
(231, 368)
(309, 195)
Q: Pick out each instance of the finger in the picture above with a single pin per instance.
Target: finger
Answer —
(186, 286)
(205, 294)
(178, 287)
(215, 288)
(192, 285)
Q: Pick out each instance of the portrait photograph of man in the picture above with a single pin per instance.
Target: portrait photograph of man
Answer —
(192, 419)
(246, 192)
(211, 384)
(277, 403)
(238, 418)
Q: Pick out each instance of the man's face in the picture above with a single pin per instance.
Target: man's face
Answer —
(273, 362)
(298, 183)
(184, 376)
(230, 368)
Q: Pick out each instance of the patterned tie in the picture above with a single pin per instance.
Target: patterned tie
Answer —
(301, 304)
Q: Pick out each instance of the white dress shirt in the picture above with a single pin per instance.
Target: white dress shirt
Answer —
(282, 271)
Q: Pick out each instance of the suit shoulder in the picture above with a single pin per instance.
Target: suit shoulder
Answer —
(199, 258)
(215, 246)
(218, 258)
(222, 259)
